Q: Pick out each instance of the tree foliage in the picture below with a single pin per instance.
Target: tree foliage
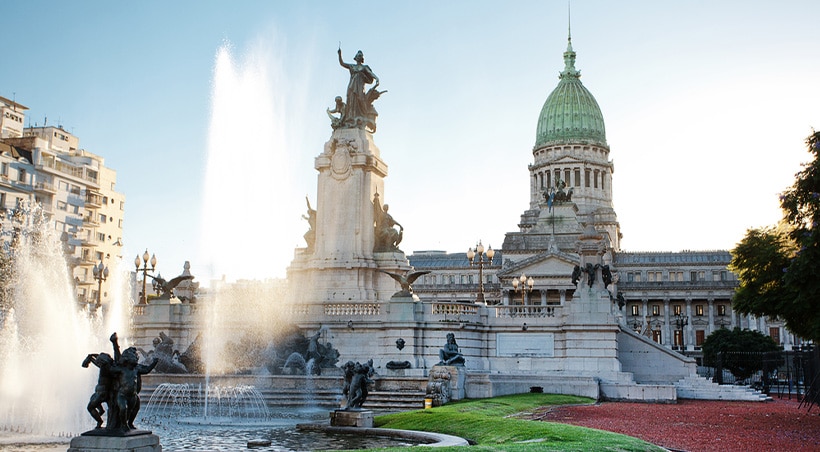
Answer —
(740, 350)
(779, 267)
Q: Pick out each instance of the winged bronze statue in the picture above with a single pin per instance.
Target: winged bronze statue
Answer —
(405, 280)
(167, 287)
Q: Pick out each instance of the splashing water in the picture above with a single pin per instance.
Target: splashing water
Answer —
(44, 336)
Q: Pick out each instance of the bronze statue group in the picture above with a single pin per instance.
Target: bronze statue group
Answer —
(118, 387)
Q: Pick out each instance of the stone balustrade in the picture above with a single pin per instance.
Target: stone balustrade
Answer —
(524, 311)
(454, 309)
(357, 309)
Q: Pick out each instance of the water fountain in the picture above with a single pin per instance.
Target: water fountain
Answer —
(44, 337)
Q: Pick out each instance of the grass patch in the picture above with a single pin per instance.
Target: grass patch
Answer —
(492, 425)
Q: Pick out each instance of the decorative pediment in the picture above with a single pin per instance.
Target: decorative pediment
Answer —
(547, 264)
(567, 159)
(700, 321)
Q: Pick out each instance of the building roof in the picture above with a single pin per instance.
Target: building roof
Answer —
(571, 114)
(427, 260)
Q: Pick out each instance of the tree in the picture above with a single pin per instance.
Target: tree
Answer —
(741, 351)
(779, 268)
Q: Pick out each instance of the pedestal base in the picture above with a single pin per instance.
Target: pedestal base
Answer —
(137, 443)
(342, 418)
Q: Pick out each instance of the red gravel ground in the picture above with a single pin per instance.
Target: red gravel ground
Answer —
(699, 425)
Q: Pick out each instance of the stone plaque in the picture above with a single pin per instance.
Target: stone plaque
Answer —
(540, 345)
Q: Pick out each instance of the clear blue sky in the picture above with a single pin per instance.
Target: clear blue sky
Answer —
(706, 107)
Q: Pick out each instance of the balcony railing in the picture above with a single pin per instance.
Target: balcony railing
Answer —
(45, 187)
(524, 311)
(357, 309)
(454, 309)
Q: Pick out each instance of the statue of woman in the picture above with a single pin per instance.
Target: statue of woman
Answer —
(359, 111)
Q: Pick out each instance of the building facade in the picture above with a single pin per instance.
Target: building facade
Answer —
(45, 166)
(674, 298)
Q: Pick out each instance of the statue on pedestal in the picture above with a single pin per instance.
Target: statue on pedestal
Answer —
(357, 377)
(358, 112)
(387, 238)
(118, 386)
(310, 235)
(449, 355)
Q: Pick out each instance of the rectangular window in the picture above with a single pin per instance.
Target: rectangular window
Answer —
(603, 178)
(693, 276)
(595, 180)
(721, 309)
(62, 185)
(2, 200)
(700, 336)
(566, 176)
(636, 310)
(650, 276)
(21, 176)
(637, 276)
(62, 205)
(699, 310)
(677, 309)
(677, 338)
(103, 218)
(774, 333)
(577, 181)
(586, 178)
(119, 223)
(656, 309)
(4, 169)
(656, 336)
(101, 237)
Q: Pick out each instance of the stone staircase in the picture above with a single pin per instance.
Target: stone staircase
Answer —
(401, 400)
(697, 387)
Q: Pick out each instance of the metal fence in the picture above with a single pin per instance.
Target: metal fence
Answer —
(792, 373)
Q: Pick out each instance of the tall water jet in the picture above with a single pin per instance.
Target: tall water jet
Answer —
(251, 204)
(44, 336)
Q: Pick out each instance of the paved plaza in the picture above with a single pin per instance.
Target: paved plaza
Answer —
(702, 425)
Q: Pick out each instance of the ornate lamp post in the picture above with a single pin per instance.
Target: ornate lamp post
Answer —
(471, 255)
(144, 270)
(526, 286)
(100, 272)
(681, 321)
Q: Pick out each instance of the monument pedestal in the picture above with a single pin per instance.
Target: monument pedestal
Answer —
(342, 418)
(137, 443)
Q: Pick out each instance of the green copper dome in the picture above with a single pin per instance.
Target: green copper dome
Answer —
(570, 113)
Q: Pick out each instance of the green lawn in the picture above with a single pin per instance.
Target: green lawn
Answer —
(492, 424)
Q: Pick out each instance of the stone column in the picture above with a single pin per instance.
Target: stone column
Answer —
(667, 331)
(563, 295)
(645, 312)
(711, 304)
(544, 297)
(688, 343)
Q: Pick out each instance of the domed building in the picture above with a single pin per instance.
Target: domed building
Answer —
(571, 165)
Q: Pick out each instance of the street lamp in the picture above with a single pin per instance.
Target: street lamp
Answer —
(526, 285)
(100, 272)
(471, 255)
(144, 270)
(681, 321)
